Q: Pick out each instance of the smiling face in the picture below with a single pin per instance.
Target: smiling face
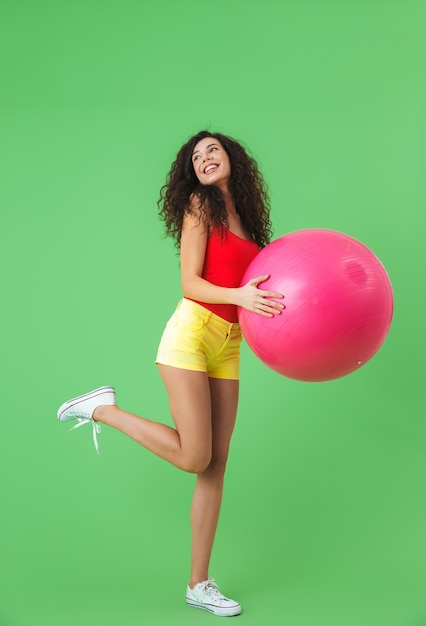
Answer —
(211, 163)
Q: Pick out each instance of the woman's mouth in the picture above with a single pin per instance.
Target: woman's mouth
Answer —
(210, 169)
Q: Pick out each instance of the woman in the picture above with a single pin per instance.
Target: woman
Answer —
(216, 207)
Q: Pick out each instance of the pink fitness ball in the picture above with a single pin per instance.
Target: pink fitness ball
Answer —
(338, 305)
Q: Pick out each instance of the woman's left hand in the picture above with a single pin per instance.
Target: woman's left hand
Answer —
(259, 300)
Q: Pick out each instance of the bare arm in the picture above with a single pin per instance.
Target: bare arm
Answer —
(192, 254)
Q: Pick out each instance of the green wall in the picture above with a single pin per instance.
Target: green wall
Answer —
(324, 515)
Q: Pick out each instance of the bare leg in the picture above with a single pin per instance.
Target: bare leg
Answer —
(189, 446)
(209, 486)
(204, 412)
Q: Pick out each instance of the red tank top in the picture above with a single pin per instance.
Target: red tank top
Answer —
(227, 258)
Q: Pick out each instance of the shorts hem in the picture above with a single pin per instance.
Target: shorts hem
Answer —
(180, 366)
(223, 376)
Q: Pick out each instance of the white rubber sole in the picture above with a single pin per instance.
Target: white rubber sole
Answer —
(216, 610)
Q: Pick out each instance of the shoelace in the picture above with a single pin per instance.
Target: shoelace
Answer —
(81, 421)
(211, 589)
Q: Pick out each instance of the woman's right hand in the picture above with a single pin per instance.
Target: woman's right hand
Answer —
(259, 301)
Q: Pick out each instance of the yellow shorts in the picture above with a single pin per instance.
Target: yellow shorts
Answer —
(197, 339)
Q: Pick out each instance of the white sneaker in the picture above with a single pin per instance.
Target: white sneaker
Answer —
(206, 595)
(83, 407)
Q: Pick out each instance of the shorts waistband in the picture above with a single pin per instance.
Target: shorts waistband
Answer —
(187, 303)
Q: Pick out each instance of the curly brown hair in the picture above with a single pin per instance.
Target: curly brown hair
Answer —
(246, 186)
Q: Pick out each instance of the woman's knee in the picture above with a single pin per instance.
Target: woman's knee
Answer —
(196, 463)
(217, 465)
